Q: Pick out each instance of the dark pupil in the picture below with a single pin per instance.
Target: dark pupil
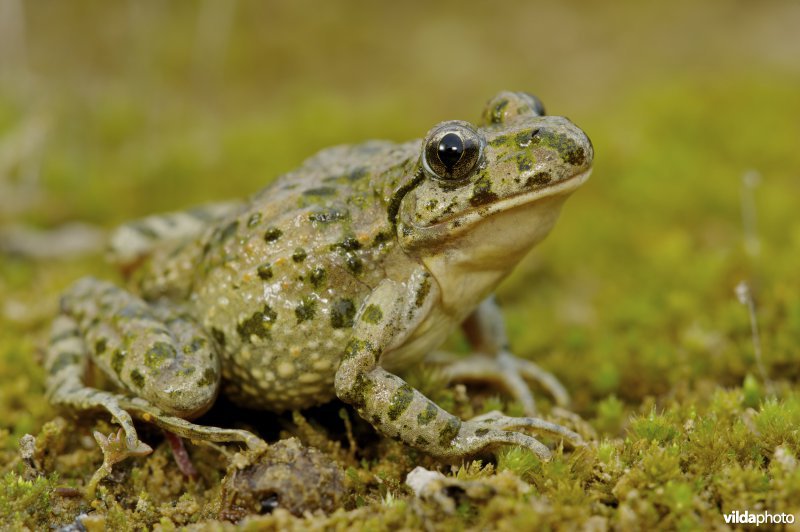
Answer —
(451, 148)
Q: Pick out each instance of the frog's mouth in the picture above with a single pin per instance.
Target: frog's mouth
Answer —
(528, 215)
(563, 187)
(462, 221)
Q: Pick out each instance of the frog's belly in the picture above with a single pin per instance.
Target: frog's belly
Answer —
(295, 368)
(294, 372)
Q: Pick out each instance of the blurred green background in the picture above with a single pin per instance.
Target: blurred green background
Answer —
(112, 110)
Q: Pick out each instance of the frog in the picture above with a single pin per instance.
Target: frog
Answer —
(331, 282)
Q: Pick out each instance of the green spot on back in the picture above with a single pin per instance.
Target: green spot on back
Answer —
(342, 313)
(299, 255)
(306, 310)
(357, 174)
(259, 324)
(382, 237)
(137, 378)
(254, 219)
(354, 263)
(318, 276)
(329, 216)
(264, 272)
(320, 191)
(351, 243)
(272, 234)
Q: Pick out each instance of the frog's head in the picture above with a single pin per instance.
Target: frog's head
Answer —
(485, 195)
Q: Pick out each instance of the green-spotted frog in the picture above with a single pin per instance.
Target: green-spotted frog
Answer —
(329, 282)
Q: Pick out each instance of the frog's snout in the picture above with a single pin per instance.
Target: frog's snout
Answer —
(558, 134)
(582, 140)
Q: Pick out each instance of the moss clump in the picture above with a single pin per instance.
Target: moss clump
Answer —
(30, 502)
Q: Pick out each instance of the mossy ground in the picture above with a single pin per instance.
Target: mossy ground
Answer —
(145, 108)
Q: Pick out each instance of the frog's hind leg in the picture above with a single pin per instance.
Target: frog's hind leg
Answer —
(161, 358)
(134, 240)
(492, 362)
(66, 364)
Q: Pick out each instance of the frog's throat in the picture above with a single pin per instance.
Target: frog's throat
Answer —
(452, 227)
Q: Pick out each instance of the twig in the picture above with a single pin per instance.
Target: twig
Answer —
(746, 298)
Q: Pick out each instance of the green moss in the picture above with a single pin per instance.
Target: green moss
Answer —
(522, 462)
(654, 427)
(26, 503)
(610, 412)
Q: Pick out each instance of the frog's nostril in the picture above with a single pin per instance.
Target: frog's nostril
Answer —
(534, 132)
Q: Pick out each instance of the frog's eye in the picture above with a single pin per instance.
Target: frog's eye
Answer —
(508, 106)
(452, 151)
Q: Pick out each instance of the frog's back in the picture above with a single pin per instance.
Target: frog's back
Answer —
(280, 282)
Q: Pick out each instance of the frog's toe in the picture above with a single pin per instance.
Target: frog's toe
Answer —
(506, 371)
(532, 372)
(488, 431)
(115, 449)
(496, 420)
(475, 438)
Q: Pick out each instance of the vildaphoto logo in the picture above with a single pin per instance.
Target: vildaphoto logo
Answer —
(757, 518)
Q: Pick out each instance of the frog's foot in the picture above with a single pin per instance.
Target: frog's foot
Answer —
(495, 428)
(115, 449)
(141, 409)
(506, 371)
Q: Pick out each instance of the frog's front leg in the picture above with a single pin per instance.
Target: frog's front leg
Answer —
(396, 409)
(493, 362)
(162, 359)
